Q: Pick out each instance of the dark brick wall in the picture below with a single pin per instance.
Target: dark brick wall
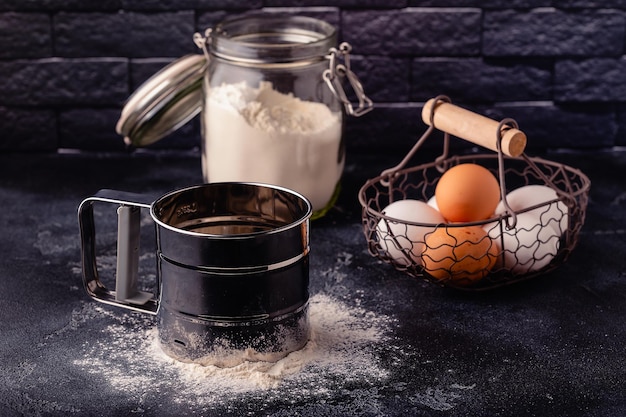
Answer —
(556, 66)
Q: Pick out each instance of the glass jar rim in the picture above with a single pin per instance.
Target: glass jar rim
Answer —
(272, 37)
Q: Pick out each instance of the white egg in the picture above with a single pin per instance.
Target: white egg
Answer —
(529, 246)
(401, 241)
(432, 201)
(554, 214)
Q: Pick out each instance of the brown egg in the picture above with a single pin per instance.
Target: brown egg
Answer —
(467, 192)
(463, 255)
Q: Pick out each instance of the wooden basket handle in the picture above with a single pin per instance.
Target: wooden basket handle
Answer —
(473, 127)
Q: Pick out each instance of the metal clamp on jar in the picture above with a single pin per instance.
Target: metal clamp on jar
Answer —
(272, 103)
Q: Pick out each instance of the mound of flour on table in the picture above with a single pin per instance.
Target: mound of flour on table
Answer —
(342, 349)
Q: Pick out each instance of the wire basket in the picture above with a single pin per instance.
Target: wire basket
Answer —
(510, 249)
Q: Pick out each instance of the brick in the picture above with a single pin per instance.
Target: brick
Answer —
(210, 19)
(450, 32)
(75, 35)
(485, 4)
(550, 32)
(90, 129)
(96, 81)
(185, 137)
(384, 79)
(558, 126)
(93, 129)
(591, 4)
(327, 14)
(161, 34)
(25, 35)
(27, 129)
(144, 68)
(162, 4)
(389, 128)
(600, 79)
(394, 128)
(229, 4)
(53, 5)
(556, 66)
(478, 80)
(620, 137)
(127, 34)
(191, 4)
(361, 4)
(384, 128)
(445, 3)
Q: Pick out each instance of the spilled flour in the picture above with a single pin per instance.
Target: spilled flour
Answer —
(342, 349)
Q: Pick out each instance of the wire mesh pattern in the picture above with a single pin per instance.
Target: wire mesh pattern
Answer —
(507, 248)
(512, 254)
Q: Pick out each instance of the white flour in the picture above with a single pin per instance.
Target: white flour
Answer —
(342, 348)
(261, 135)
(354, 364)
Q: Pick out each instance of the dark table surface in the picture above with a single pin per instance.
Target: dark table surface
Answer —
(387, 344)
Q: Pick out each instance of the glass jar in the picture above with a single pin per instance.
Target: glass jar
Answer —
(270, 92)
(272, 111)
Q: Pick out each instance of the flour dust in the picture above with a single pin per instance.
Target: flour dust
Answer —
(342, 350)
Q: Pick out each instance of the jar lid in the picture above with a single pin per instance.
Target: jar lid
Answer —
(165, 102)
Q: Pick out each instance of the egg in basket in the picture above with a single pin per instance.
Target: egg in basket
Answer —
(474, 222)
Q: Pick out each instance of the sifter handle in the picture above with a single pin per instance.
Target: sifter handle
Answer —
(126, 293)
(473, 127)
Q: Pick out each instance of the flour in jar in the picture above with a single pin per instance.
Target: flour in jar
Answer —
(262, 135)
